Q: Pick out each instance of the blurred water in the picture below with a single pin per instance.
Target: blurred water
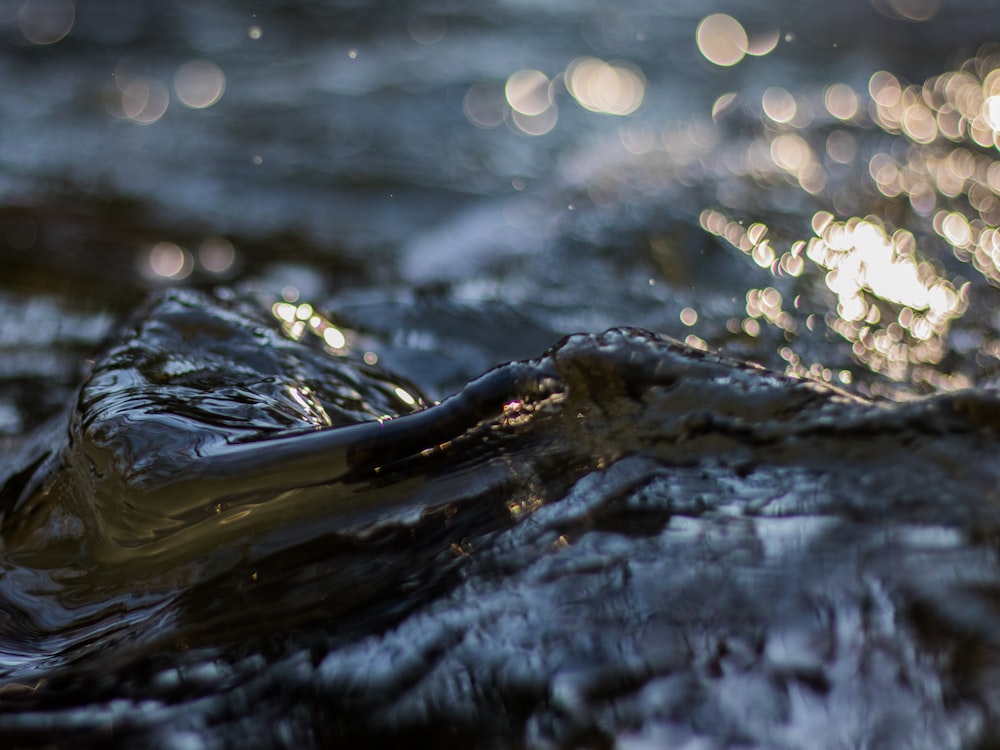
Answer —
(456, 187)
(375, 145)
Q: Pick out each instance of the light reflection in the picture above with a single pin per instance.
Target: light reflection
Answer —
(841, 101)
(404, 396)
(217, 255)
(722, 39)
(924, 179)
(46, 21)
(334, 338)
(908, 10)
(199, 84)
(528, 92)
(137, 98)
(539, 124)
(169, 261)
(283, 311)
(484, 105)
(779, 105)
(870, 271)
(427, 30)
(696, 342)
(530, 101)
(722, 105)
(299, 319)
(614, 89)
(764, 44)
(792, 153)
(842, 146)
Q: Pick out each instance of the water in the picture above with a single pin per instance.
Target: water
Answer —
(235, 515)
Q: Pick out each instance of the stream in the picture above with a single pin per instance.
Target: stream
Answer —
(512, 375)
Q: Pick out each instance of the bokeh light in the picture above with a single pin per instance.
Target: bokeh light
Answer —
(199, 84)
(135, 97)
(841, 101)
(908, 10)
(216, 255)
(722, 39)
(484, 105)
(614, 89)
(427, 30)
(167, 261)
(779, 105)
(531, 103)
(297, 320)
(46, 21)
(528, 92)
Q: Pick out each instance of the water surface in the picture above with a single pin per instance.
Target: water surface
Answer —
(209, 539)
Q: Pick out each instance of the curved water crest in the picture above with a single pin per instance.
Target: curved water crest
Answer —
(625, 539)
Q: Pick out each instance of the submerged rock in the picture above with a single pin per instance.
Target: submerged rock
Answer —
(625, 542)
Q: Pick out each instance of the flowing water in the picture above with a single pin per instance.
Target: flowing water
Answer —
(294, 449)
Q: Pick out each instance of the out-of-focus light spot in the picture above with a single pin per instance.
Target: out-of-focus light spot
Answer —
(845, 377)
(528, 92)
(217, 255)
(842, 146)
(199, 84)
(283, 311)
(766, 304)
(722, 105)
(991, 112)
(299, 320)
(169, 261)
(919, 124)
(722, 39)
(370, 358)
(955, 228)
(751, 327)
(352, 54)
(614, 89)
(255, 32)
(426, 29)
(484, 105)
(841, 101)
(404, 396)
(689, 316)
(778, 104)
(46, 21)
(764, 44)
(762, 254)
(334, 338)
(638, 140)
(696, 342)
(790, 152)
(136, 98)
(884, 89)
(539, 124)
(909, 10)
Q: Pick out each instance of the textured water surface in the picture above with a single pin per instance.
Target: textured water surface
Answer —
(294, 451)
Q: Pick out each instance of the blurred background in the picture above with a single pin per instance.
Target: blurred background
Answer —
(813, 186)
